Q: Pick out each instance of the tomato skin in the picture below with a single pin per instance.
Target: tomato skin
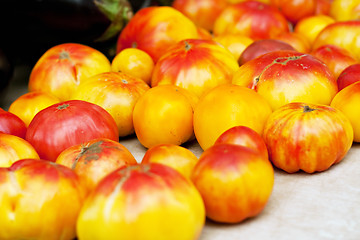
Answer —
(196, 65)
(348, 76)
(308, 137)
(14, 148)
(12, 124)
(342, 34)
(254, 19)
(68, 123)
(283, 76)
(295, 10)
(348, 101)
(62, 67)
(38, 190)
(154, 29)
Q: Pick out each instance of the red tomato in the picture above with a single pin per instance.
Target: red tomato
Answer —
(69, 123)
(348, 76)
(11, 124)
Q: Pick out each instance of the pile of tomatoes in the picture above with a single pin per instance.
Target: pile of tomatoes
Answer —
(257, 84)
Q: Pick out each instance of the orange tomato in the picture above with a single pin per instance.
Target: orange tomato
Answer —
(164, 114)
(134, 62)
(227, 106)
(117, 93)
(29, 104)
(13, 148)
(175, 156)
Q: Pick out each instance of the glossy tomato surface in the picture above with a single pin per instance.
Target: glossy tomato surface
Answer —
(69, 123)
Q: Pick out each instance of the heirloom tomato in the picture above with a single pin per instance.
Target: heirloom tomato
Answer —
(154, 29)
(117, 93)
(308, 137)
(39, 200)
(335, 57)
(134, 62)
(254, 19)
(235, 43)
(202, 12)
(342, 10)
(288, 76)
(343, 34)
(61, 68)
(227, 106)
(234, 181)
(311, 26)
(94, 159)
(14, 148)
(29, 104)
(147, 201)
(175, 156)
(295, 10)
(69, 123)
(195, 65)
(244, 136)
(348, 102)
(164, 114)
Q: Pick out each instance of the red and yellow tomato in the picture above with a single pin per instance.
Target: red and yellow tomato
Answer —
(308, 137)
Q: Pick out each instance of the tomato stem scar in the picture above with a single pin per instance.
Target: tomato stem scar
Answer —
(63, 106)
(308, 109)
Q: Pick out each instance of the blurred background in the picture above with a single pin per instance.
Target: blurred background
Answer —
(30, 27)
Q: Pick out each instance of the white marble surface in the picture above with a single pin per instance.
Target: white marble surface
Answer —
(302, 206)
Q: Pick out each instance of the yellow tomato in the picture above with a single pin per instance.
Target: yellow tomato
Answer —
(235, 43)
(348, 102)
(164, 114)
(311, 26)
(29, 104)
(177, 157)
(13, 148)
(342, 10)
(227, 106)
(134, 62)
(342, 34)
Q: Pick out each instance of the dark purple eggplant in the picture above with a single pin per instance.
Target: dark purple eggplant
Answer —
(30, 27)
